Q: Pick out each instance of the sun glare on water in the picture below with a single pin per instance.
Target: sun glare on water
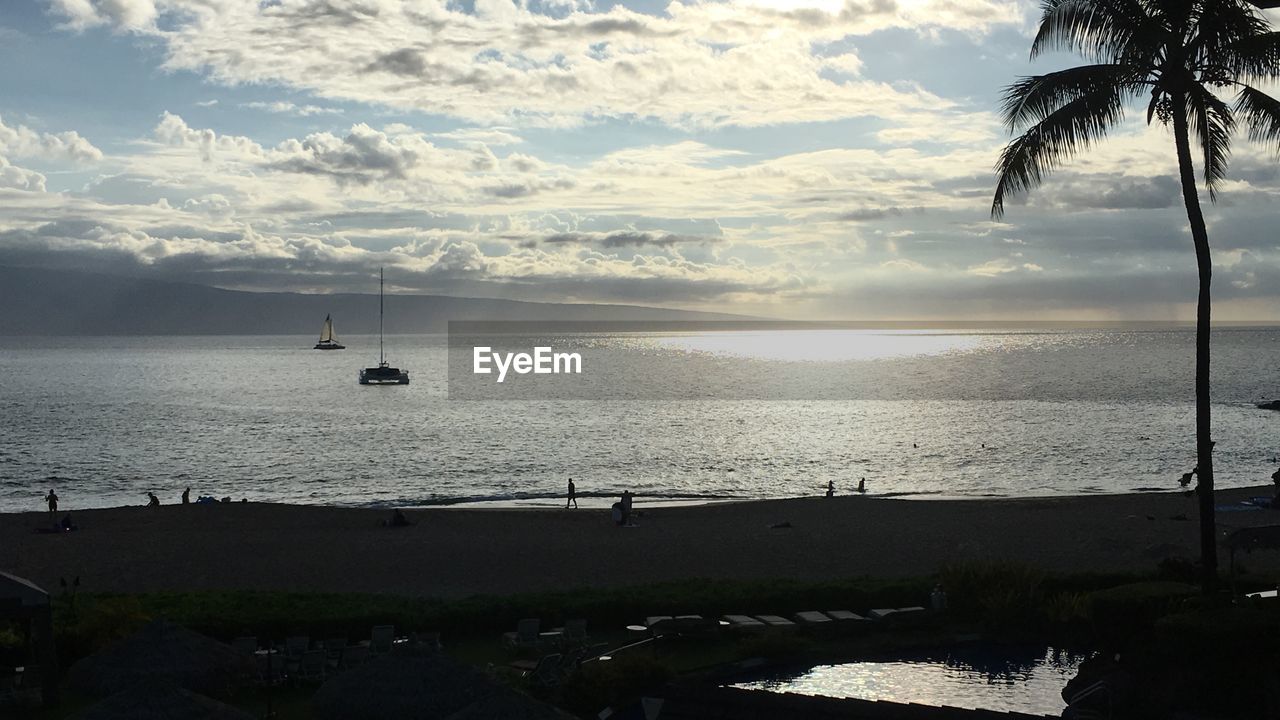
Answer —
(823, 345)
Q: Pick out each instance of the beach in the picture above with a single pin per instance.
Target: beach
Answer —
(451, 553)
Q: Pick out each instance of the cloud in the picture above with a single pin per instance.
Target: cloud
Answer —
(122, 14)
(626, 238)
(288, 108)
(17, 178)
(21, 141)
(700, 64)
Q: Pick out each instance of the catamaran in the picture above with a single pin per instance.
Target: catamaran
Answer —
(384, 374)
(329, 341)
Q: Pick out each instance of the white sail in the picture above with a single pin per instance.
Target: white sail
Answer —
(326, 335)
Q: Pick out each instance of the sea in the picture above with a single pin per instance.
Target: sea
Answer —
(917, 413)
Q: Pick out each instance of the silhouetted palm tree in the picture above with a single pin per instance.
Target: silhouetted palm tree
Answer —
(1180, 54)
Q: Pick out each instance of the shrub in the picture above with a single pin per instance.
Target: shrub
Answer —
(614, 683)
(1127, 610)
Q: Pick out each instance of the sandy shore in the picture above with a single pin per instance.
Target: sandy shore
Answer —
(458, 552)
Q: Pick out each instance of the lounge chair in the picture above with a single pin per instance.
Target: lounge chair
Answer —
(271, 670)
(353, 656)
(547, 672)
(693, 623)
(381, 638)
(574, 633)
(897, 614)
(811, 617)
(844, 616)
(312, 666)
(247, 645)
(427, 641)
(743, 622)
(296, 645)
(333, 651)
(775, 621)
(659, 624)
(525, 636)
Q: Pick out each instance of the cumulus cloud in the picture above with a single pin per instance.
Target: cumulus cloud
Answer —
(732, 62)
(21, 141)
(122, 14)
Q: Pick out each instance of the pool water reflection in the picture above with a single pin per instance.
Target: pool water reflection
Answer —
(1026, 679)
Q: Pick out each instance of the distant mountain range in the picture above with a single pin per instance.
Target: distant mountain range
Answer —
(59, 302)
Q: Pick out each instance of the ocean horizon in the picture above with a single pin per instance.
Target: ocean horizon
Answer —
(917, 412)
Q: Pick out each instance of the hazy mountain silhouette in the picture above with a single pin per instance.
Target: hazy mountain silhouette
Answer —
(60, 302)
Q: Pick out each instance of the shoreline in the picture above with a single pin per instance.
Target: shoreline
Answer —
(453, 552)
(601, 501)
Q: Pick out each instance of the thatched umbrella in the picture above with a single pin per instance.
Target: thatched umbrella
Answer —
(161, 702)
(163, 652)
(424, 687)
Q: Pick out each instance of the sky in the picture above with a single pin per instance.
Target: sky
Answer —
(801, 159)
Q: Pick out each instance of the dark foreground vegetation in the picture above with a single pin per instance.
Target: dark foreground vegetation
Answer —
(1179, 652)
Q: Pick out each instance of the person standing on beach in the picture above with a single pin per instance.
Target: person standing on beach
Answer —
(831, 488)
(52, 499)
(572, 496)
(186, 496)
(862, 486)
(626, 507)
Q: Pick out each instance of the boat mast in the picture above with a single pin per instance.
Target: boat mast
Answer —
(381, 358)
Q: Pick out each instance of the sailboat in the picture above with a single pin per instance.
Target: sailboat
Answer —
(328, 341)
(384, 374)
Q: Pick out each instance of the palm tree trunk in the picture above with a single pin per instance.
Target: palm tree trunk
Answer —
(1204, 442)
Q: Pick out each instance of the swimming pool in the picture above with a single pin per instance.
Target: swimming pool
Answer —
(1020, 678)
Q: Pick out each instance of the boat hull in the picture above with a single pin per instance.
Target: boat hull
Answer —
(384, 376)
(329, 346)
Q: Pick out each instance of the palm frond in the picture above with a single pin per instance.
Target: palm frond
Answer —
(1261, 113)
(1218, 24)
(1032, 99)
(1098, 29)
(1253, 58)
(1058, 137)
(1212, 122)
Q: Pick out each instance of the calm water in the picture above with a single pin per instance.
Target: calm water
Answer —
(1066, 412)
(1028, 680)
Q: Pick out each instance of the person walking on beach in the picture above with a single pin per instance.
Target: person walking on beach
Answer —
(572, 497)
(152, 501)
(52, 499)
(862, 486)
(186, 496)
(831, 488)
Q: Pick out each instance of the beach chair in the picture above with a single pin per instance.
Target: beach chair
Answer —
(247, 645)
(271, 670)
(312, 666)
(574, 633)
(333, 651)
(353, 656)
(775, 621)
(427, 641)
(547, 672)
(694, 624)
(381, 639)
(845, 616)
(811, 617)
(660, 624)
(296, 645)
(743, 623)
(525, 636)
